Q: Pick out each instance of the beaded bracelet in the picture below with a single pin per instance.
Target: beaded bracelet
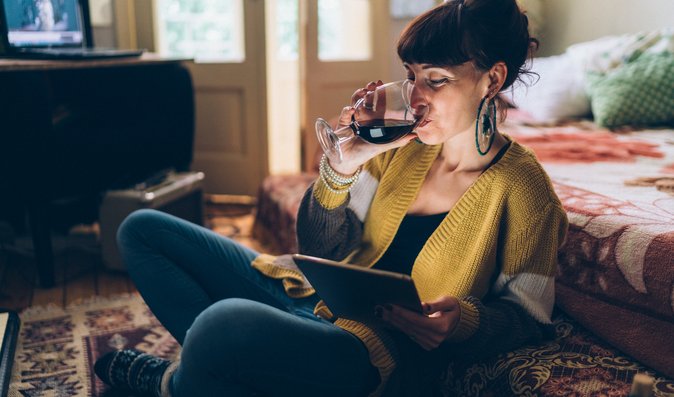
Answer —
(330, 188)
(333, 181)
(337, 179)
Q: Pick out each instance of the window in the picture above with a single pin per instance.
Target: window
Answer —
(344, 31)
(287, 36)
(206, 30)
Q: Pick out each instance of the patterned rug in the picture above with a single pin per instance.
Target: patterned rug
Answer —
(57, 347)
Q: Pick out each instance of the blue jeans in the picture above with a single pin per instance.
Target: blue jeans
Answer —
(241, 334)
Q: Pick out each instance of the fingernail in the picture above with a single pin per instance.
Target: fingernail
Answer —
(378, 311)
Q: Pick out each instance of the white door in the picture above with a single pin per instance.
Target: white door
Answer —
(343, 45)
(226, 38)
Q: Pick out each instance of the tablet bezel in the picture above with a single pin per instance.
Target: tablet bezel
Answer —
(352, 291)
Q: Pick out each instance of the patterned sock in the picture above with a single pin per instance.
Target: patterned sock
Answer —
(132, 370)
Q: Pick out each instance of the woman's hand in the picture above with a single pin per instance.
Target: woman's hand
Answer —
(360, 152)
(429, 329)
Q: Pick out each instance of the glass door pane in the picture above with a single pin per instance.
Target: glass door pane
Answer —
(344, 30)
(285, 27)
(206, 30)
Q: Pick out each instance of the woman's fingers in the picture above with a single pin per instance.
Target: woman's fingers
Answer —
(430, 329)
(419, 335)
(345, 116)
(443, 304)
(358, 95)
(423, 330)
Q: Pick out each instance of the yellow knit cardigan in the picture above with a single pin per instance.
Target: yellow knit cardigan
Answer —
(506, 227)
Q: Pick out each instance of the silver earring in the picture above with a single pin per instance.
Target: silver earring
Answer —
(485, 125)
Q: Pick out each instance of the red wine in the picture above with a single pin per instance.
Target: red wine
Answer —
(385, 130)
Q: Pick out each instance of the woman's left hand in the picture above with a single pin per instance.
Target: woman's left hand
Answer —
(429, 329)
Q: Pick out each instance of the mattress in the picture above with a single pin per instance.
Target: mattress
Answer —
(616, 268)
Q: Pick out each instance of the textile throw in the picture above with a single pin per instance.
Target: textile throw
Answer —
(57, 347)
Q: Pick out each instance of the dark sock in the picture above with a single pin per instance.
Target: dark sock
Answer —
(132, 370)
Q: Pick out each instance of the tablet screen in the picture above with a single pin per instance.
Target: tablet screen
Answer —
(352, 291)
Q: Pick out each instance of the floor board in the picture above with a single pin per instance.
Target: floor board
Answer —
(112, 283)
(79, 269)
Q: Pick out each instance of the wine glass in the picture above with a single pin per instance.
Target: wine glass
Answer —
(381, 116)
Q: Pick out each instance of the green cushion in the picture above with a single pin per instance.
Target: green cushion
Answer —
(640, 92)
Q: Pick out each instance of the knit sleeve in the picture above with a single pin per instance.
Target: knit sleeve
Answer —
(330, 224)
(331, 233)
(529, 262)
(518, 308)
(502, 326)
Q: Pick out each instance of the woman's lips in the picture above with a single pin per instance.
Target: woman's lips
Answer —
(423, 123)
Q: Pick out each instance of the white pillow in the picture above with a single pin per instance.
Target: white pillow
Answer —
(559, 93)
(610, 52)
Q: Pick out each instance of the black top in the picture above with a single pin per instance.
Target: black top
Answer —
(413, 233)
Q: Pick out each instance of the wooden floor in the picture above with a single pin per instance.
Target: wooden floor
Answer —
(78, 275)
(80, 272)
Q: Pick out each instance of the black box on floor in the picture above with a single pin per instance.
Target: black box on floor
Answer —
(179, 194)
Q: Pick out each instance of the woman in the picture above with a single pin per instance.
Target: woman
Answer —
(465, 210)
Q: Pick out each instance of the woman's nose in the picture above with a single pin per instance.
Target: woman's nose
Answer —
(418, 100)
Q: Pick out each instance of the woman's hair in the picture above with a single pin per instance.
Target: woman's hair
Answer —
(482, 31)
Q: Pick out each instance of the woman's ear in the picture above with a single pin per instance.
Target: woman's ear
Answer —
(497, 75)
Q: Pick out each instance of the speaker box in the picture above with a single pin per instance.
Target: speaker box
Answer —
(179, 194)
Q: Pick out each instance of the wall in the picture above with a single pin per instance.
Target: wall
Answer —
(572, 21)
(102, 23)
(565, 22)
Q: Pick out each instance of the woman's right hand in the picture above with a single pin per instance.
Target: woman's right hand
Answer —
(361, 151)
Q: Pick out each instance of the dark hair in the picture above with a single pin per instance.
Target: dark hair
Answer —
(482, 31)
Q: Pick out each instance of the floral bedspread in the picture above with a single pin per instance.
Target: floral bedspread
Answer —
(618, 191)
(575, 363)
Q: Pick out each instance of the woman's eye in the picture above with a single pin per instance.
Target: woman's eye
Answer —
(410, 78)
(437, 82)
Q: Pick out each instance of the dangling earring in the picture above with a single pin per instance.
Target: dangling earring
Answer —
(485, 125)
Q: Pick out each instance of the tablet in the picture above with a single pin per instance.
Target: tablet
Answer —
(352, 291)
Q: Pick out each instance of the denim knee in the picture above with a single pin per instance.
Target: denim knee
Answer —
(132, 232)
(228, 328)
(136, 221)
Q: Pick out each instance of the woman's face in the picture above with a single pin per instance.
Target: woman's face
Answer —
(452, 95)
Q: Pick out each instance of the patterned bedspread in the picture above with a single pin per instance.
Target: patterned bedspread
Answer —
(616, 273)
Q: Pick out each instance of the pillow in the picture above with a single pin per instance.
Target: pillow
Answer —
(561, 90)
(640, 92)
(558, 92)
